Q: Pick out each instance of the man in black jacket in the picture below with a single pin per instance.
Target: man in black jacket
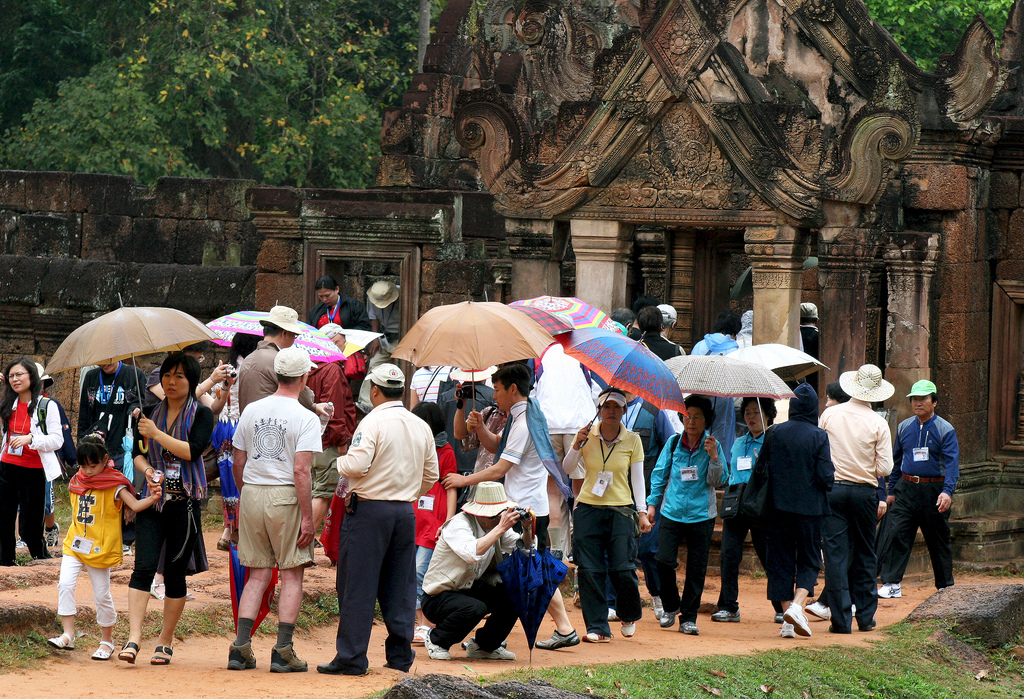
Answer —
(335, 307)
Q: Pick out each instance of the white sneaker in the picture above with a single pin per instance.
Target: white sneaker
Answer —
(126, 550)
(612, 616)
(474, 652)
(890, 591)
(819, 610)
(629, 629)
(787, 630)
(435, 651)
(659, 608)
(795, 616)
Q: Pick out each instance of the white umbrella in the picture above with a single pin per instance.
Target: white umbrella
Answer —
(787, 362)
(717, 375)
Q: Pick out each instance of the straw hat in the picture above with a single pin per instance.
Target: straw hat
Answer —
(383, 293)
(472, 374)
(286, 319)
(866, 384)
(489, 500)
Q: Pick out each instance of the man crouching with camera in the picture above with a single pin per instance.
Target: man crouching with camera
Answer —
(462, 584)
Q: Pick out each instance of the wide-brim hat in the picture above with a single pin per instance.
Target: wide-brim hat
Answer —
(472, 374)
(489, 500)
(383, 293)
(285, 318)
(43, 376)
(866, 384)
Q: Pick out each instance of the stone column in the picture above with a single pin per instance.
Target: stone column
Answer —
(602, 251)
(777, 256)
(536, 248)
(910, 262)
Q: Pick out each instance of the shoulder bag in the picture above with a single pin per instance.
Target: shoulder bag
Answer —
(755, 497)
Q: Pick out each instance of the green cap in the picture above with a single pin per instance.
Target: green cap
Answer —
(924, 387)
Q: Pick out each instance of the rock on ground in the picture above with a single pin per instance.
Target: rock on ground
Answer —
(17, 618)
(438, 686)
(993, 614)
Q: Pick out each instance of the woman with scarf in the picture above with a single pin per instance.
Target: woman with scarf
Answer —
(174, 434)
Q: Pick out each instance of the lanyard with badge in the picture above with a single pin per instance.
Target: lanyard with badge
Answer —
(337, 311)
(689, 474)
(921, 452)
(745, 463)
(604, 478)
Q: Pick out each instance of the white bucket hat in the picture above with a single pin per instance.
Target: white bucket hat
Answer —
(383, 293)
(866, 384)
(286, 319)
(489, 500)
(292, 361)
(472, 374)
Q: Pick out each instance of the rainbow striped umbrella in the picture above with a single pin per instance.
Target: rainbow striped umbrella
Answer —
(318, 345)
(583, 315)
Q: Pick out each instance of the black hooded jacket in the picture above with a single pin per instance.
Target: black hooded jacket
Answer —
(799, 459)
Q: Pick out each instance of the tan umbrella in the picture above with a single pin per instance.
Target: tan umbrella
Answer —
(125, 333)
(472, 335)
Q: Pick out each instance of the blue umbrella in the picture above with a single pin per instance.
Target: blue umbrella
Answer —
(531, 580)
(238, 575)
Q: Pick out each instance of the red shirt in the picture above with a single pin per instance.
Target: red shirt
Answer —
(428, 521)
(21, 423)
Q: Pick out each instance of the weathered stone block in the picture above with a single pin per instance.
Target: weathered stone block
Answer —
(284, 289)
(960, 235)
(47, 191)
(106, 238)
(936, 186)
(102, 194)
(208, 292)
(12, 189)
(964, 287)
(150, 285)
(1004, 190)
(952, 337)
(8, 231)
(181, 197)
(94, 286)
(20, 279)
(49, 235)
(993, 614)
(282, 255)
(54, 281)
(453, 277)
(154, 240)
(193, 236)
(227, 199)
(278, 199)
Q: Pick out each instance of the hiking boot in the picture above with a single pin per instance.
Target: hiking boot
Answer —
(795, 616)
(726, 615)
(241, 657)
(819, 610)
(890, 591)
(53, 535)
(283, 659)
(474, 652)
(435, 651)
(558, 641)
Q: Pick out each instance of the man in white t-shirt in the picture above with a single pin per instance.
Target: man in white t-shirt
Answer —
(274, 446)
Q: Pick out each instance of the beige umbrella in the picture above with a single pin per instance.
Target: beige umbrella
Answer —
(125, 333)
(472, 335)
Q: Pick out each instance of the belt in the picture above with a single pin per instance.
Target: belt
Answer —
(863, 485)
(918, 479)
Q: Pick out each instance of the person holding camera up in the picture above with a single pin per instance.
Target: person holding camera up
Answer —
(462, 585)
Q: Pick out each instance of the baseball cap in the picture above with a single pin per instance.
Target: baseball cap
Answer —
(292, 361)
(924, 387)
(331, 330)
(387, 375)
(668, 314)
(808, 311)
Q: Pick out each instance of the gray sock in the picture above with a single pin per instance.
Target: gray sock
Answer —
(284, 633)
(244, 631)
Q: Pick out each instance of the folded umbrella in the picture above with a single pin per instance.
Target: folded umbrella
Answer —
(531, 579)
(718, 375)
(319, 347)
(788, 363)
(238, 575)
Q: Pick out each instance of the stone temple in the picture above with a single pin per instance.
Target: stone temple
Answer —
(607, 148)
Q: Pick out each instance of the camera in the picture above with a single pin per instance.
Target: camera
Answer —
(524, 514)
(232, 372)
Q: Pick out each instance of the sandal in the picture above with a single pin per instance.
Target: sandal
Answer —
(104, 652)
(63, 642)
(157, 590)
(162, 657)
(128, 652)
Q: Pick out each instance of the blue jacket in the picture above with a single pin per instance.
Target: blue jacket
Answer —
(799, 459)
(943, 452)
(715, 343)
(687, 501)
(744, 447)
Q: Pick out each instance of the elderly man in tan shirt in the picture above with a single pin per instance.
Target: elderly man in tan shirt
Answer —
(861, 446)
(390, 463)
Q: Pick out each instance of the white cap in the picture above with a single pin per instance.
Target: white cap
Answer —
(331, 330)
(286, 319)
(387, 376)
(292, 361)
(668, 314)
(808, 311)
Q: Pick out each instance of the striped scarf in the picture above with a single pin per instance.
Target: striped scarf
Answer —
(193, 473)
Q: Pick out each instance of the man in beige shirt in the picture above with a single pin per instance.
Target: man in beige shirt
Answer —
(861, 446)
(390, 463)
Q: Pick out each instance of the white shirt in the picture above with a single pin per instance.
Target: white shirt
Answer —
(527, 480)
(271, 431)
(455, 564)
(563, 392)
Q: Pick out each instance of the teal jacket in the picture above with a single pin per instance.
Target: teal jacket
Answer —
(744, 447)
(692, 500)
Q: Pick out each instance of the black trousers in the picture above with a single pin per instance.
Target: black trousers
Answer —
(604, 550)
(178, 526)
(734, 533)
(377, 561)
(25, 488)
(456, 613)
(697, 537)
(793, 545)
(915, 508)
(848, 543)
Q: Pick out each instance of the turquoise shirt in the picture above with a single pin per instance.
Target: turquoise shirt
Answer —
(746, 447)
(690, 500)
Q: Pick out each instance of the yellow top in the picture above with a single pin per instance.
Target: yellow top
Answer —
(616, 457)
(96, 518)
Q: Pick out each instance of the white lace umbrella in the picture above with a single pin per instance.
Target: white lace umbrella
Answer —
(787, 362)
(717, 375)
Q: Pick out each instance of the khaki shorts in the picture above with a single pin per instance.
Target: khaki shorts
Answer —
(324, 473)
(269, 520)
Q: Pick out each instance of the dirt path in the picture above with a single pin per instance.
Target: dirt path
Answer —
(198, 668)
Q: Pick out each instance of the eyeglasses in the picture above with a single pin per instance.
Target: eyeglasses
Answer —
(18, 376)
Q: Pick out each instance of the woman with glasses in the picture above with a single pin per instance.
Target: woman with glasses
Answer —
(31, 434)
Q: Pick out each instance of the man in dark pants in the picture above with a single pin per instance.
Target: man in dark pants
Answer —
(390, 463)
(462, 584)
(861, 448)
(926, 466)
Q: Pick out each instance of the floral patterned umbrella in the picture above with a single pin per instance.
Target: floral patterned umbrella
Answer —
(319, 347)
(583, 315)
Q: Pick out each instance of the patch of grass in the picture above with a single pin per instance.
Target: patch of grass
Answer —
(903, 665)
(22, 651)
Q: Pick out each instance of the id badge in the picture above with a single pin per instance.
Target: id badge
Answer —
(920, 453)
(82, 545)
(426, 502)
(14, 452)
(173, 471)
(744, 463)
(604, 480)
(689, 475)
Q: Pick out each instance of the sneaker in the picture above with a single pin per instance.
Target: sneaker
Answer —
(689, 628)
(241, 657)
(474, 652)
(504, 644)
(890, 591)
(434, 651)
(778, 618)
(659, 608)
(558, 641)
(726, 615)
(795, 616)
(612, 616)
(787, 630)
(53, 535)
(629, 629)
(126, 550)
(819, 610)
(420, 634)
(667, 620)
(283, 659)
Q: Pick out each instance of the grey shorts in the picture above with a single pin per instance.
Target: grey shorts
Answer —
(269, 521)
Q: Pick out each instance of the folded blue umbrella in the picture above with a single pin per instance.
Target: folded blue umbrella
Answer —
(531, 579)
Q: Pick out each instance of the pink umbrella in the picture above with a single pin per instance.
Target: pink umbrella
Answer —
(319, 346)
(582, 315)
